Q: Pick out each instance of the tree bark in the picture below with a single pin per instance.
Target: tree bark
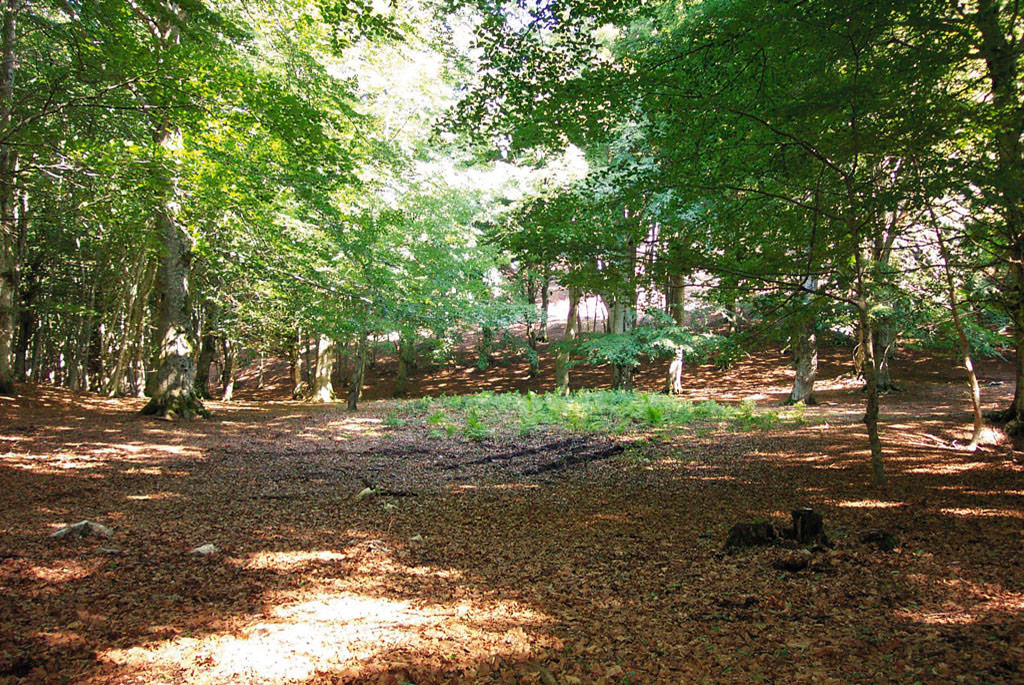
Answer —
(965, 348)
(338, 369)
(805, 349)
(805, 360)
(227, 375)
(997, 45)
(78, 358)
(884, 343)
(322, 390)
(28, 288)
(545, 303)
(675, 299)
(674, 378)
(864, 334)
(27, 324)
(157, 328)
(174, 394)
(483, 359)
(562, 353)
(534, 355)
(207, 351)
(36, 359)
(8, 178)
(355, 390)
(622, 374)
(675, 303)
(295, 361)
(406, 359)
(140, 291)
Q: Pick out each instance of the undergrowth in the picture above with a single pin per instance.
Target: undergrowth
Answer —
(600, 411)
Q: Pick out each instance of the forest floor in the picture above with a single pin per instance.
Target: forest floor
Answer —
(499, 560)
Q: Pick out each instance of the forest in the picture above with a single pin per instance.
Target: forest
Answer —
(551, 341)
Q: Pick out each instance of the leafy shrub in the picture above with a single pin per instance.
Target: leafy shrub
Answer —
(602, 411)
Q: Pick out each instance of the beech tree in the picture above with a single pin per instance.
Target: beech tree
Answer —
(778, 128)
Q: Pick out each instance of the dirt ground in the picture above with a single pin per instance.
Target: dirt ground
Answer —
(483, 565)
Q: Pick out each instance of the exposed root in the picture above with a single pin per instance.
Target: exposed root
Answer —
(187, 407)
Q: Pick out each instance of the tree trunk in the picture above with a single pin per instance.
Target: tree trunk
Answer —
(884, 344)
(965, 348)
(227, 374)
(322, 390)
(562, 353)
(545, 303)
(355, 390)
(133, 328)
(34, 373)
(864, 335)
(78, 356)
(310, 370)
(174, 394)
(158, 327)
(997, 45)
(534, 354)
(675, 299)
(483, 358)
(27, 324)
(674, 378)
(338, 370)
(28, 321)
(94, 355)
(207, 351)
(406, 359)
(138, 363)
(805, 349)
(622, 374)
(8, 178)
(805, 361)
(675, 302)
(295, 361)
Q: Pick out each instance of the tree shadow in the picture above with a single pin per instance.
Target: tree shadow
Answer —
(611, 570)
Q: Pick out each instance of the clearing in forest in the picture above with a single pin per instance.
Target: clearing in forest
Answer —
(500, 547)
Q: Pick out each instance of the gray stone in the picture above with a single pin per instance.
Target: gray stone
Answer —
(204, 550)
(83, 529)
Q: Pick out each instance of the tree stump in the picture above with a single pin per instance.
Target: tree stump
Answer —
(750, 535)
(808, 527)
(881, 539)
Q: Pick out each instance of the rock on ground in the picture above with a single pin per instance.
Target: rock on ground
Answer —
(83, 529)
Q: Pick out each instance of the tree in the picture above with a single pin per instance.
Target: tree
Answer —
(777, 128)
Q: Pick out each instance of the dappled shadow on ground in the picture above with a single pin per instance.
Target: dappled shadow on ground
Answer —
(490, 571)
(764, 377)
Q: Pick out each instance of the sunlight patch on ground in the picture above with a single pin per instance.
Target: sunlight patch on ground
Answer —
(154, 471)
(85, 456)
(67, 569)
(870, 504)
(365, 426)
(963, 616)
(981, 600)
(288, 560)
(466, 487)
(343, 633)
(945, 469)
(991, 436)
(995, 493)
(154, 496)
(986, 513)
